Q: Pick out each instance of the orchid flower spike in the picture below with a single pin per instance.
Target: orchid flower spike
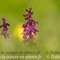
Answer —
(5, 29)
(29, 30)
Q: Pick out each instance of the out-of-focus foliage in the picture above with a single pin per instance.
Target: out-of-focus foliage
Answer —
(46, 12)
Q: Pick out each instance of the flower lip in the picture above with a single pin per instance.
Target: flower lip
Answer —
(24, 25)
(30, 19)
(3, 19)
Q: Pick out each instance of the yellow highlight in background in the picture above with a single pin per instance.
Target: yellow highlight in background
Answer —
(17, 31)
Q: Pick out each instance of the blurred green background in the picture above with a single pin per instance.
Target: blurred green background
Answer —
(46, 12)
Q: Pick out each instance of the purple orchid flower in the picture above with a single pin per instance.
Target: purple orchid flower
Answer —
(5, 29)
(29, 27)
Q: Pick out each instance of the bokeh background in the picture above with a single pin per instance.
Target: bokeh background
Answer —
(46, 12)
